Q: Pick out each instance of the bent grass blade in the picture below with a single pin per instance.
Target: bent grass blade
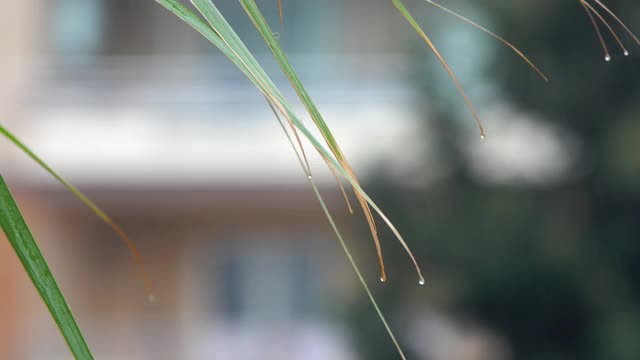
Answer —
(494, 35)
(405, 13)
(95, 208)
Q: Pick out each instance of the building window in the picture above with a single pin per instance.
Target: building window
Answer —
(77, 29)
(251, 285)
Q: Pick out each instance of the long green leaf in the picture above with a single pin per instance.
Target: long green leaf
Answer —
(22, 241)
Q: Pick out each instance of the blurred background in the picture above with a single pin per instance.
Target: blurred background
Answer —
(529, 240)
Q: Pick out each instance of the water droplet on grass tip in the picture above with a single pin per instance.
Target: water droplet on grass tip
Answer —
(309, 177)
(383, 279)
(607, 58)
(421, 281)
(626, 53)
(483, 136)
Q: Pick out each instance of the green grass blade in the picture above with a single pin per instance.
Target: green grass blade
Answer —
(263, 28)
(200, 26)
(245, 59)
(22, 241)
(221, 35)
(101, 214)
(95, 208)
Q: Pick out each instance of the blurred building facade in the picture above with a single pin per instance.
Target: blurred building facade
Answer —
(135, 109)
(148, 119)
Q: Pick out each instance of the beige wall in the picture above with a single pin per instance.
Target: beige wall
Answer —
(20, 49)
(20, 27)
(18, 46)
(101, 283)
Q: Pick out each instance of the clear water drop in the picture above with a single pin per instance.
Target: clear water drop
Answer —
(309, 177)
(383, 279)
(276, 35)
(483, 136)
(626, 53)
(421, 281)
(607, 58)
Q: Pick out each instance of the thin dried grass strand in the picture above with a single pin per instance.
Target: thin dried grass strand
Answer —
(342, 190)
(606, 24)
(597, 29)
(341, 240)
(491, 33)
(624, 26)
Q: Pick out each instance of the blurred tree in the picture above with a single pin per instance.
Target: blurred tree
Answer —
(553, 269)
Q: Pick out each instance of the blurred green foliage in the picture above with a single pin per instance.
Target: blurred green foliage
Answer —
(553, 270)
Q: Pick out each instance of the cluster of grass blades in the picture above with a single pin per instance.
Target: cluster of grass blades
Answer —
(590, 8)
(212, 25)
